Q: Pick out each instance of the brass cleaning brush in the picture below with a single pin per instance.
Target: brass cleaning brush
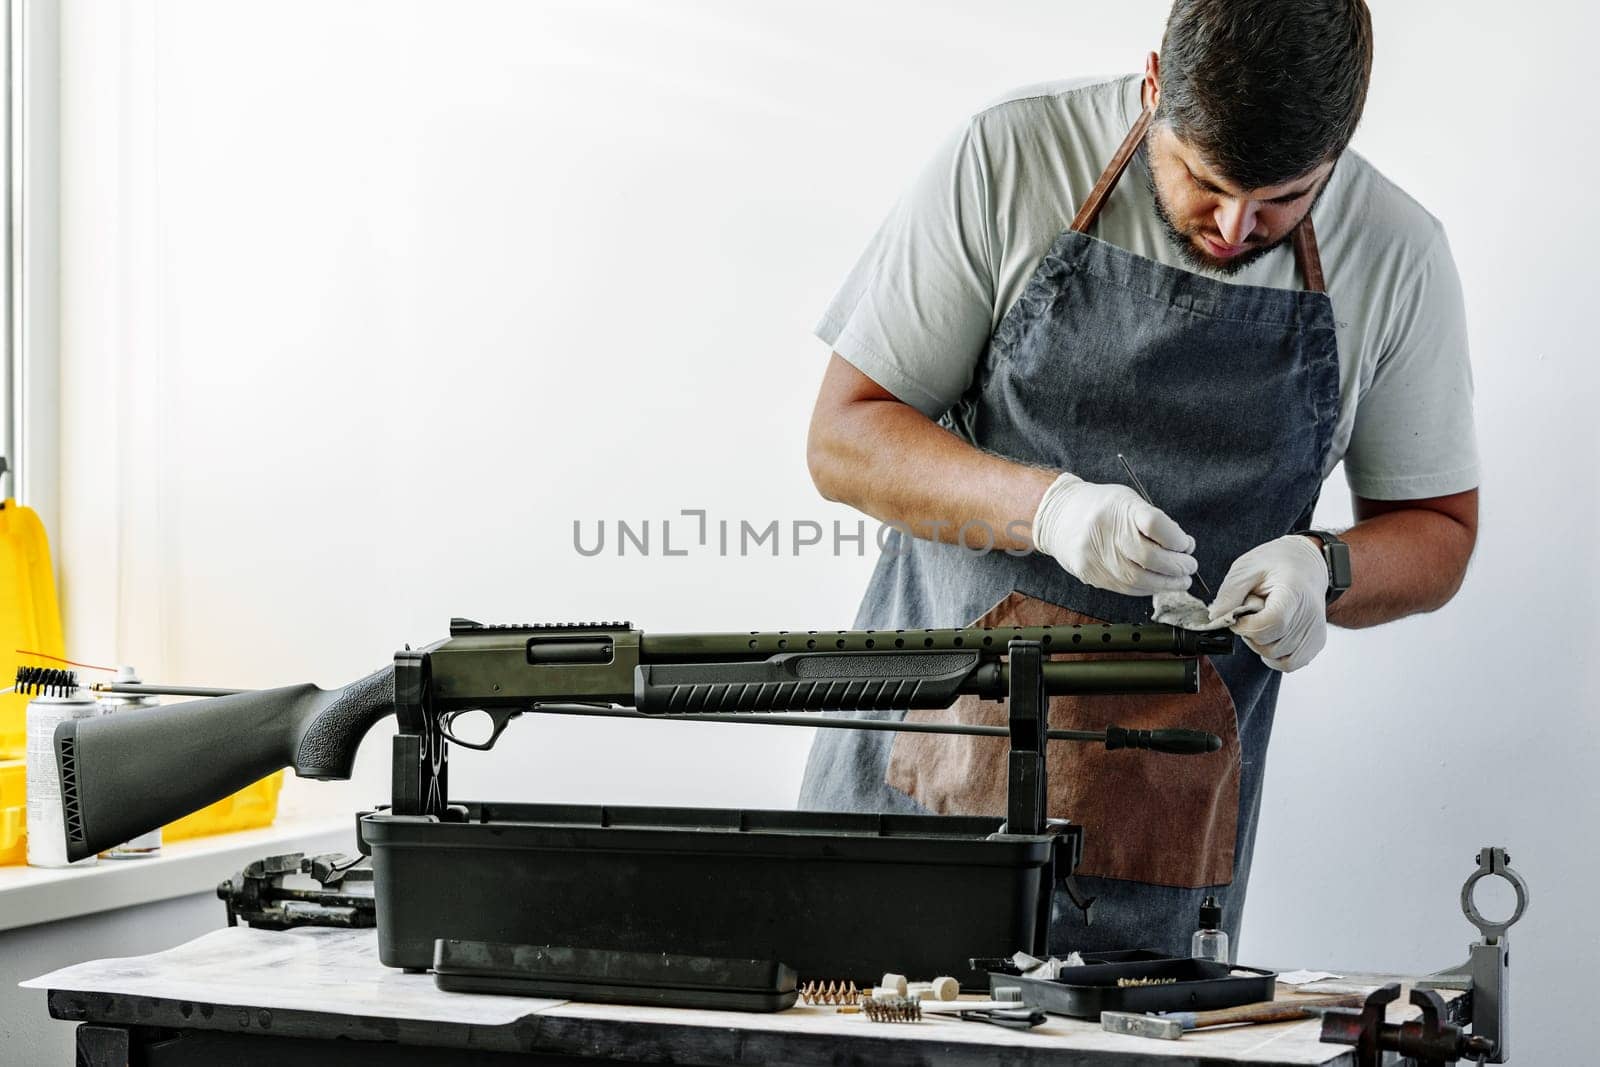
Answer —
(892, 1009)
(832, 993)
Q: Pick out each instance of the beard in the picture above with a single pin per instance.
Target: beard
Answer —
(1186, 240)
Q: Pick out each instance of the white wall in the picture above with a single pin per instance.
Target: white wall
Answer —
(364, 303)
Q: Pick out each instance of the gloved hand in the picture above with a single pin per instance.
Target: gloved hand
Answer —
(1107, 536)
(1291, 580)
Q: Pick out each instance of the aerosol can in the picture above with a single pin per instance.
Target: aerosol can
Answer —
(146, 844)
(58, 700)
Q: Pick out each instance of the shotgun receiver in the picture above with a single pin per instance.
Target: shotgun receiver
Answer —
(124, 774)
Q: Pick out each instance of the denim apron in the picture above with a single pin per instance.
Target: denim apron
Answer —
(1224, 397)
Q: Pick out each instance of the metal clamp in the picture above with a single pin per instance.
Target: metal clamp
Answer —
(1485, 975)
(1493, 861)
(1428, 1040)
(259, 896)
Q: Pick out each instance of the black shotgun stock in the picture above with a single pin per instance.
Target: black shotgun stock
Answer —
(124, 774)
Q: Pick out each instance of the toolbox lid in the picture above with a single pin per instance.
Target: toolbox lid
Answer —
(852, 836)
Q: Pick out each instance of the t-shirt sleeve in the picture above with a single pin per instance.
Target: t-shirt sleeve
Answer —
(1413, 435)
(915, 313)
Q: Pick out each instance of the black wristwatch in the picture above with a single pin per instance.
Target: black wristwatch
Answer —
(1336, 554)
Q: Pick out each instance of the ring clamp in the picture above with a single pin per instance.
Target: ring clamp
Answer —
(1493, 861)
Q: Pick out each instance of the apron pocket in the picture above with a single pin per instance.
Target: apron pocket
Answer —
(1147, 817)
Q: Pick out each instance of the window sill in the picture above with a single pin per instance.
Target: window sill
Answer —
(30, 895)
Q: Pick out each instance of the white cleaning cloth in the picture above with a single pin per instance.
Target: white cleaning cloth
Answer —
(1190, 612)
(1032, 967)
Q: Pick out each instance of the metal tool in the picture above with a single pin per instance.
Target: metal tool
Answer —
(1138, 485)
(146, 689)
(1428, 1040)
(936, 1007)
(259, 897)
(1486, 974)
(1172, 1025)
(1010, 1018)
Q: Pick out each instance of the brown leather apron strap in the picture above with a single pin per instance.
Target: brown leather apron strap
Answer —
(1108, 177)
(1307, 257)
(1304, 238)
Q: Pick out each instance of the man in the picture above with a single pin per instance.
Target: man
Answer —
(1023, 317)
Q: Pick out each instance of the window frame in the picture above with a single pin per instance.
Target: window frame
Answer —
(31, 238)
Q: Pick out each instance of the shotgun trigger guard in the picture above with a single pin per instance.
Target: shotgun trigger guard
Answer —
(500, 717)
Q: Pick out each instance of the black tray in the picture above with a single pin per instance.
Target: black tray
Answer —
(1000, 967)
(836, 896)
(1085, 992)
(613, 977)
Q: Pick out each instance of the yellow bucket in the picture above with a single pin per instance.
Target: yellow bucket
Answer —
(13, 813)
(30, 617)
(249, 808)
(253, 806)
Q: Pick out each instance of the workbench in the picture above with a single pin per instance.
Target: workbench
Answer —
(320, 996)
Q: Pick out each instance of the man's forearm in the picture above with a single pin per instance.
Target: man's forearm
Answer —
(1403, 562)
(869, 450)
(890, 461)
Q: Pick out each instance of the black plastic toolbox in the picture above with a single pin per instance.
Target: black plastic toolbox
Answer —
(835, 896)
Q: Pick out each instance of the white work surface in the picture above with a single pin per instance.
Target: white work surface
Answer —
(30, 895)
(336, 973)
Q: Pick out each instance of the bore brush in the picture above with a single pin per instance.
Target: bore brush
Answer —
(46, 681)
(831, 993)
(891, 1009)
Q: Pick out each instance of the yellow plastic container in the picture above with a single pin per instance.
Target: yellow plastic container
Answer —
(253, 806)
(249, 808)
(13, 813)
(30, 616)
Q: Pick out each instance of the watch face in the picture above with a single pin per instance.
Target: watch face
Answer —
(1337, 553)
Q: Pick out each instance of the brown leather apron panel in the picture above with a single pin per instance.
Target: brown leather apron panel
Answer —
(1147, 817)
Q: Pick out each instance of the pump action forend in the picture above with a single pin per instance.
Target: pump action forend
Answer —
(125, 774)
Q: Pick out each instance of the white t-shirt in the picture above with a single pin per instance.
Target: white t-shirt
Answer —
(916, 313)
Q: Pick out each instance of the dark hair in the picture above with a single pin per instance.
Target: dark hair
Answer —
(1265, 90)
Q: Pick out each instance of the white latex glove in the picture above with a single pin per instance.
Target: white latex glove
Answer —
(1107, 536)
(1290, 577)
